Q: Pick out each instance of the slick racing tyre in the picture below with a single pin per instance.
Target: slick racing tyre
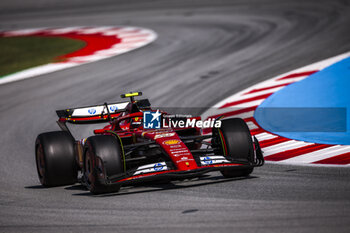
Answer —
(55, 160)
(236, 144)
(102, 159)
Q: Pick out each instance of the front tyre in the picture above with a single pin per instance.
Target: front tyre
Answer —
(102, 158)
(235, 142)
(55, 160)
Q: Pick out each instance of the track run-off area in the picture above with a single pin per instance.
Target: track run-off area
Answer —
(205, 52)
(285, 150)
(101, 43)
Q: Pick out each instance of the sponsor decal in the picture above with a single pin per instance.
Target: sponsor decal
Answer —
(154, 167)
(164, 135)
(158, 167)
(113, 108)
(151, 120)
(182, 154)
(98, 109)
(213, 160)
(179, 151)
(171, 142)
(184, 159)
(207, 160)
(92, 111)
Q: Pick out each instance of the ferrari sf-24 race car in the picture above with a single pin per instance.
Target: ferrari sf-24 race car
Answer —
(127, 151)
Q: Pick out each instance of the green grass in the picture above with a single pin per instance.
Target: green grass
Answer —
(19, 53)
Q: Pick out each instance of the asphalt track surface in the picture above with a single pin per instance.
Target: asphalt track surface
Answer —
(206, 51)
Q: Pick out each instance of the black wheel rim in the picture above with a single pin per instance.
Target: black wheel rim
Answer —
(88, 168)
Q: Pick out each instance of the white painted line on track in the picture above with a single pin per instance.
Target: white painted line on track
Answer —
(284, 146)
(264, 136)
(318, 155)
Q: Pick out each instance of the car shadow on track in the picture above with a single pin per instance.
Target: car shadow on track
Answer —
(158, 186)
(35, 187)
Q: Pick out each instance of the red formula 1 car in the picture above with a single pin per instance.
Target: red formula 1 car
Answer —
(127, 151)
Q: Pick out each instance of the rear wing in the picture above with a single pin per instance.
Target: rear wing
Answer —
(92, 114)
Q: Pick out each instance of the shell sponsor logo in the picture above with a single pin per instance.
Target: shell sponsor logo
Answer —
(171, 142)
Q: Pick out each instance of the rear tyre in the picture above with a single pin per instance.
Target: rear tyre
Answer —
(102, 158)
(55, 160)
(236, 144)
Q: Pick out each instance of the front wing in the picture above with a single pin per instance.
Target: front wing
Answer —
(159, 171)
